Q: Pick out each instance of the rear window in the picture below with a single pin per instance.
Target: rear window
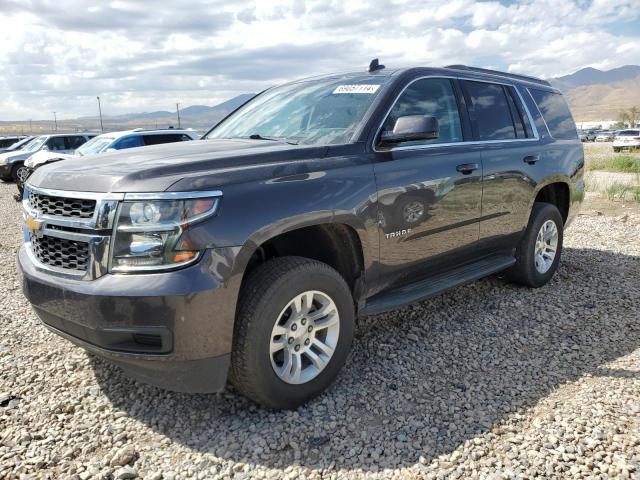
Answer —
(629, 133)
(556, 114)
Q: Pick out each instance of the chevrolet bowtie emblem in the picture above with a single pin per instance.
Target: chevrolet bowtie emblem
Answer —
(33, 224)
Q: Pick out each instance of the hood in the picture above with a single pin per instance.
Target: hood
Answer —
(10, 157)
(44, 156)
(156, 168)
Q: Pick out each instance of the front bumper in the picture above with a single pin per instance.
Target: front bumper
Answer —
(173, 330)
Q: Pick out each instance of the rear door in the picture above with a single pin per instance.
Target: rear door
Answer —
(428, 203)
(510, 151)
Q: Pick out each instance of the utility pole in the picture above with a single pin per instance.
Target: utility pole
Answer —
(55, 119)
(178, 111)
(100, 112)
(30, 126)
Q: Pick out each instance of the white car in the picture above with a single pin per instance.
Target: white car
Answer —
(59, 143)
(112, 141)
(606, 136)
(627, 139)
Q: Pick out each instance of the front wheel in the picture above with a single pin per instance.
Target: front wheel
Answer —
(293, 331)
(538, 254)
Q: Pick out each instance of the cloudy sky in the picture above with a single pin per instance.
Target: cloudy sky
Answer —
(147, 55)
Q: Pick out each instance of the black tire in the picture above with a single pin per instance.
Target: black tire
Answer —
(265, 293)
(616, 149)
(14, 172)
(524, 272)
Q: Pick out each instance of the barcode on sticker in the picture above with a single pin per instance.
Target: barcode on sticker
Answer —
(356, 89)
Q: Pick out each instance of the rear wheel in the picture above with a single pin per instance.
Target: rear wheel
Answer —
(538, 254)
(293, 331)
(616, 149)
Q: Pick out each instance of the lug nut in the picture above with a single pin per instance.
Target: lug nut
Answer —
(310, 328)
(303, 321)
(294, 327)
(297, 348)
(306, 342)
(290, 340)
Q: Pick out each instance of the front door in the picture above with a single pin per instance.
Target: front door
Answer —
(429, 191)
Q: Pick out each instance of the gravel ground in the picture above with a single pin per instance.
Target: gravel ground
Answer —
(486, 381)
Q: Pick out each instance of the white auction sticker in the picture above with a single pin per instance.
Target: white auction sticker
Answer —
(356, 89)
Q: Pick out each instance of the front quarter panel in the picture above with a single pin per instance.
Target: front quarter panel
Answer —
(338, 188)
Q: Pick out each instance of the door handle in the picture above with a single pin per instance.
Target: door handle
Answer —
(531, 159)
(467, 168)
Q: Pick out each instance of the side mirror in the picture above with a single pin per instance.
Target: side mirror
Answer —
(45, 148)
(410, 128)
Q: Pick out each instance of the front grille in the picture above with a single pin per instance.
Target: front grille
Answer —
(62, 207)
(60, 252)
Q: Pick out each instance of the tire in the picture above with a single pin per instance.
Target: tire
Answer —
(265, 302)
(616, 149)
(529, 270)
(14, 172)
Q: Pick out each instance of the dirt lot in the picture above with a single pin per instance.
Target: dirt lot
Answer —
(487, 381)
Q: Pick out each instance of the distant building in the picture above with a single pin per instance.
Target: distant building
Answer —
(606, 124)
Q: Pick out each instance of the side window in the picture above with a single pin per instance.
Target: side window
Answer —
(556, 114)
(434, 97)
(128, 142)
(518, 113)
(55, 144)
(164, 138)
(75, 142)
(490, 111)
(185, 138)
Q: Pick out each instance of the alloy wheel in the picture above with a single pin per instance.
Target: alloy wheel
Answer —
(304, 337)
(546, 246)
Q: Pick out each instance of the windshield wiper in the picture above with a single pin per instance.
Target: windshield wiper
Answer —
(257, 136)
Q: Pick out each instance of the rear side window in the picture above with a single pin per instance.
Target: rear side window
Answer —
(164, 138)
(556, 114)
(491, 111)
(434, 97)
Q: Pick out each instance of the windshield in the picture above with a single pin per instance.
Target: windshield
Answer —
(629, 133)
(35, 144)
(95, 145)
(317, 112)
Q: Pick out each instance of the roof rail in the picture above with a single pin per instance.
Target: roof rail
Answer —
(499, 73)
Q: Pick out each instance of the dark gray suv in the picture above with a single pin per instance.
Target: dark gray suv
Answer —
(250, 254)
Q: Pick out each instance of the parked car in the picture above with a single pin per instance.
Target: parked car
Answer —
(250, 254)
(605, 136)
(104, 143)
(627, 140)
(587, 135)
(6, 142)
(10, 162)
(17, 145)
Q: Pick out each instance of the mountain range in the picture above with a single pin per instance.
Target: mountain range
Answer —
(595, 95)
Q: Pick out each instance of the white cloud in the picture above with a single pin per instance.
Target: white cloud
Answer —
(58, 55)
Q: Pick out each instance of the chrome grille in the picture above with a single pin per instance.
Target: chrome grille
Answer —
(61, 206)
(61, 252)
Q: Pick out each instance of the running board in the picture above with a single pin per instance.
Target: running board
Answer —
(424, 289)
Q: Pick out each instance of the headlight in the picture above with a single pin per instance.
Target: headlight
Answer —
(149, 234)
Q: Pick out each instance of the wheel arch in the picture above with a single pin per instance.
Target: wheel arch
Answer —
(555, 192)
